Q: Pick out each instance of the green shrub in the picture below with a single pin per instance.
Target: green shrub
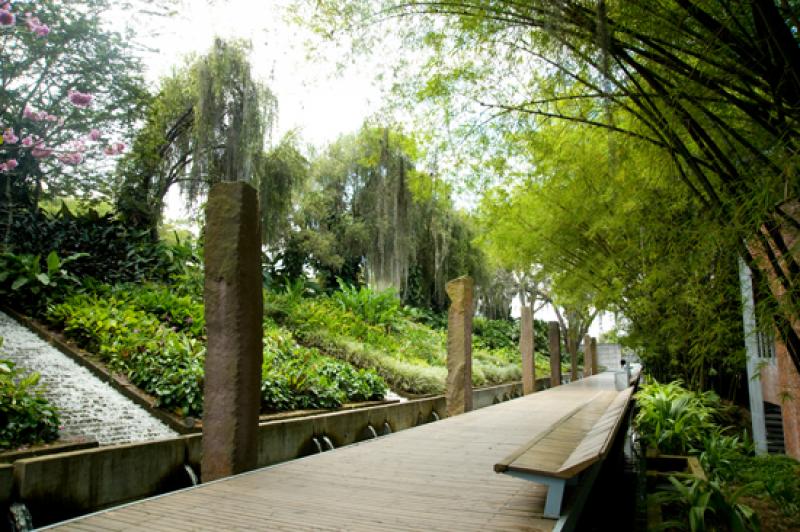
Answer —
(30, 283)
(495, 334)
(776, 475)
(410, 356)
(164, 363)
(298, 377)
(26, 417)
(375, 308)
(110, 250)
(181, 312)
(127, 329)
(673, 419)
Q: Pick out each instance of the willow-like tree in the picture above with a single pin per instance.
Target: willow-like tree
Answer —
(714, 84)
(368, 216)
(208, 123)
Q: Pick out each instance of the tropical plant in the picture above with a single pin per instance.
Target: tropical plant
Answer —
(718, 453)
(26, 417)
(111, 251)
(673, 419)
(708, 505)
(30, 285)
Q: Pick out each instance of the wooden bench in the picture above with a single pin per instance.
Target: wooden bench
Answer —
(570, 446)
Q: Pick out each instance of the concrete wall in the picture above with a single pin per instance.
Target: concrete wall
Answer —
(60, 486)
(6, 485)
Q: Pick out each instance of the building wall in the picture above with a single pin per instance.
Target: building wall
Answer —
(784, 390)
(787, 393)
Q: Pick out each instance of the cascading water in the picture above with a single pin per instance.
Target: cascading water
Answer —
(372, 431)
(328, 443)
(434, 415)
(192, 475)
(20, 518)
(318, 445)
(387, 429)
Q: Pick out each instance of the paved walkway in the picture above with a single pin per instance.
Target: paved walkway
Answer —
(88, 407)
(437, 476)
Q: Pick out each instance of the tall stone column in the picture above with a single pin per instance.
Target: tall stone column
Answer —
(595, 362)
(526, 346)
(588, 361)
(459, 346)
(233, 308)
(554, 335)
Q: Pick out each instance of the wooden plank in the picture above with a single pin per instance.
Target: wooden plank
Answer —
(435, 477)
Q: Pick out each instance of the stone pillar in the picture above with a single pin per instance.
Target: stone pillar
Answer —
(233, 308)
(459, 346)
(526, 345)
(595, 362)
(588, 365)
(554, 335)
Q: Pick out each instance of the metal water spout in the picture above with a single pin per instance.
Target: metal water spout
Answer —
(328, 443)
(372, 431)
(20, 517)
(318, 444)
(192, 475)
(387, 429)
(434, 415)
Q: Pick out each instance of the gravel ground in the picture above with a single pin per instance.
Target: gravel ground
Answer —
(87, 406)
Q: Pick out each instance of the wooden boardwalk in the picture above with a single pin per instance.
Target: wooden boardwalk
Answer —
(437, 476)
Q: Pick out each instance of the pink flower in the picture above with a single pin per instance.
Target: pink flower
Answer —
(77, 146)
(72, 158)
(27, 142)
(115, 148)
(94, 135)
(40, 151)
(7, 18)
(33, 23)
(11, 164)
(28, 112)
(9, 137)
(80, 99)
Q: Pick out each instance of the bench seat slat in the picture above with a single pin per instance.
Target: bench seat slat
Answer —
(574, 442)
(593, 448)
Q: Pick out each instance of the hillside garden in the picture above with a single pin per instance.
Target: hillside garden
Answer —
(615, 159)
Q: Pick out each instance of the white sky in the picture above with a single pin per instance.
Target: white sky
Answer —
(310, 96)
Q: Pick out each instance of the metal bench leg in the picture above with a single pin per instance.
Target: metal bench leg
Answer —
(555, 491)
(555, 496)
